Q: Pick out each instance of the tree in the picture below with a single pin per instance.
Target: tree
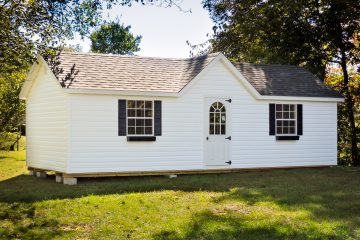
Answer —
(72, 48)
(335, 79)
(114, 38)
(9, 101)
(12, 111)
(28, 28)
(310, 33)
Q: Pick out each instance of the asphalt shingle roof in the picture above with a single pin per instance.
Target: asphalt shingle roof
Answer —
(284, 80)
(133, 73)
(116, 72)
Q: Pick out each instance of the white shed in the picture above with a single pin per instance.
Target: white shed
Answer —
(106, 115)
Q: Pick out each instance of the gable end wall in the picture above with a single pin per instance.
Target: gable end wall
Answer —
(47, 124)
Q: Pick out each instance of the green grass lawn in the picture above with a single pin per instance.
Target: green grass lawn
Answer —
(279, 204)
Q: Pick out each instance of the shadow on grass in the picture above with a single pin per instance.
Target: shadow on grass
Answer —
(19, 221)
(287, 187)
(207, 225)
(328, 194)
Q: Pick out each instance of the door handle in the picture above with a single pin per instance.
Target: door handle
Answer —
(207, 138)
(229, 138)
(229, 162)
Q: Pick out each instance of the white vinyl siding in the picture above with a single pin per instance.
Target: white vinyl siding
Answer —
(47, 124)
(95, 146)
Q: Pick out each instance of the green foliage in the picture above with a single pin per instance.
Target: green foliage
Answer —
(8, 140)
(114, 38)
(12, 110)
(284, 31)
(336, 80)
(296, 204)
(72, 48)
(31, 27)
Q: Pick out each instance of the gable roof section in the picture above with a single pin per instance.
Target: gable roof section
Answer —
(131, 73)
(284, 80)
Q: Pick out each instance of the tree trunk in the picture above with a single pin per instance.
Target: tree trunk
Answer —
(349, 103)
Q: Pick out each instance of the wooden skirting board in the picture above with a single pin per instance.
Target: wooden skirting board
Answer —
(178, 172)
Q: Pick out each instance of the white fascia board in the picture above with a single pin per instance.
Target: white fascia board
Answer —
(303, 99)
(30, 78)
(119, 92)
(171, 94)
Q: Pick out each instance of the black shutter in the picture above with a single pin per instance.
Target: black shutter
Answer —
(271, 119)
(299, 119)
(157, 118)
(122, 117)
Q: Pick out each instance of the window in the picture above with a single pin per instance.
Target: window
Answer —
(285, 116)
(140, 118)
(217, 119)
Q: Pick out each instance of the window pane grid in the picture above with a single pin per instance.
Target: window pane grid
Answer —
(285, 115)
(140, 117)
(217, 119)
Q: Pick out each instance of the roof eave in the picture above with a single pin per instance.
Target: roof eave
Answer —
(120, 92)
(178, 94)
(305, 99)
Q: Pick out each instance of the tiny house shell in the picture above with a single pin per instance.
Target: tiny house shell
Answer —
(113, 115)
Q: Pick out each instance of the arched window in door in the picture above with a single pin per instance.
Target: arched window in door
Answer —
(217, 119)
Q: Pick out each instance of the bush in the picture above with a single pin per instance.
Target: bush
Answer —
(7, 140)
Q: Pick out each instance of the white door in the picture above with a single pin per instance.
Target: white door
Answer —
(218, 136)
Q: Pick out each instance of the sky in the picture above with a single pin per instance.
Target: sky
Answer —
(164, 31)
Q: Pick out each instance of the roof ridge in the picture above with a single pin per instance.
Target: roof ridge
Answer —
(136, 56)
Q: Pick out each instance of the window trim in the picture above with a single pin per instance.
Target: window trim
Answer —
(295, 119)
(152, 118)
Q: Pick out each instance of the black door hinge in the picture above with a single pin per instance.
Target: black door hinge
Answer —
(228, 100)
(229, 138)
(229, 162)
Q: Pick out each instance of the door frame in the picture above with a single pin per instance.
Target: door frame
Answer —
(207, 101)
